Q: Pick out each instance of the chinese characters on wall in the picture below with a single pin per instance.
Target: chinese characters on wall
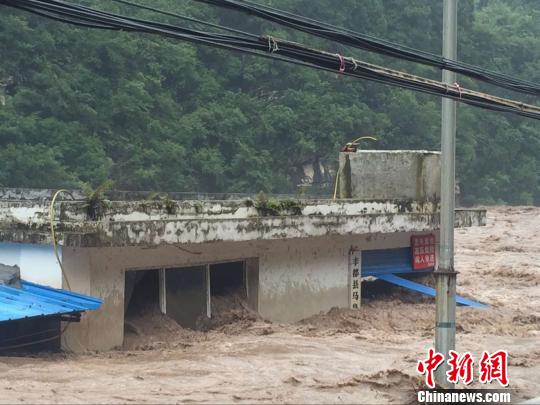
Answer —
(354, 278)
(423, 251)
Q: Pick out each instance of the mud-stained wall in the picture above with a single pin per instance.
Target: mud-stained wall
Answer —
(96, 272)
(390, 174)
(301, 279)
(101, 272)
(297, 278)
(78, 270)
(154, 223)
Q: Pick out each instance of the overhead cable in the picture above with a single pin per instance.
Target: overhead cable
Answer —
(373, 44)
(271, 48)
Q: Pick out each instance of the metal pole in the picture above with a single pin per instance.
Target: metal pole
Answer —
(163, 290)
(445, 276)
(208, 293)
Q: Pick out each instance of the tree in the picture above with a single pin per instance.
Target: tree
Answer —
(82, 106)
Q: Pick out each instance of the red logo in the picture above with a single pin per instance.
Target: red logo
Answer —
(461, 368)
(494, 367)
(429, 365)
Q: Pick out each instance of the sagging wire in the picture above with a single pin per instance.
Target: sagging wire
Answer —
(356, 142)
(336, 183)
(53, 233)
(289, 52)
(374, 44)
(64, 277)
(349, 147)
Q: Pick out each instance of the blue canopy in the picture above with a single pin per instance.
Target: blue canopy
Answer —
(35, 300)
(411, 285)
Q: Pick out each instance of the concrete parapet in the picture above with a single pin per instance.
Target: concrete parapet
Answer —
(152, 223)
(390, 175)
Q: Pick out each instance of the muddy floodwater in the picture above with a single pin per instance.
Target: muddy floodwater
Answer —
(343, 356)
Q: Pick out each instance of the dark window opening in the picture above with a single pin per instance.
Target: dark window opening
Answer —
(373, 289)
(141, 293)
(227, 279)
(380, 290)
(396, 261)
(200, 297)
(142, 314)
(186, 295)
(228, 296)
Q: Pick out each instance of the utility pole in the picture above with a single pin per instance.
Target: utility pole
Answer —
(445, 275)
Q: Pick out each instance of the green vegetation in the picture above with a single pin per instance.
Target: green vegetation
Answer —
(83, 106)
(96, 203)
(273, 207)
(169, 204)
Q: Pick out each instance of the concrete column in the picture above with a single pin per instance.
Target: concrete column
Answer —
(299, 278)
(107, 282)
(77, 267)
(208, 292)
(162, 291)
(252, 282)
(96, 272)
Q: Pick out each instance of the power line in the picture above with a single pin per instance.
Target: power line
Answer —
(271, 48)
(373, 44)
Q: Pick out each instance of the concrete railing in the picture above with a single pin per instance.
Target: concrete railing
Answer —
(165, 221)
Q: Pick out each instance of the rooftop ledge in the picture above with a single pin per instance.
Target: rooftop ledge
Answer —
(182, 221)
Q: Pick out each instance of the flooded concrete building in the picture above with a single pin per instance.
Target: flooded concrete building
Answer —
(290, 257)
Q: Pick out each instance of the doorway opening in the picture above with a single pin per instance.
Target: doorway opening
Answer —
(186, 295)
(227, 296)
(141, 305)
(161, 302)
(141, 292)
(227, 279)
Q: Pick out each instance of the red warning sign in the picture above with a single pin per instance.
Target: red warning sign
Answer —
(423, 252)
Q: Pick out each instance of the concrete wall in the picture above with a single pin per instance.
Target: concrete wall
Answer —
(297, 278)
(393, 175)
(96, 272)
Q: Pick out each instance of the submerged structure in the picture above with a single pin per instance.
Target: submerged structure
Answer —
(289, 257)
(30, 314)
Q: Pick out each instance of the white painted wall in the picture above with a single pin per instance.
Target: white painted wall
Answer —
(37, 262)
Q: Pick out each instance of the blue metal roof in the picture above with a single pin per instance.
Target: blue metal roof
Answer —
(35, 300)
(411, 285)
(388, 261)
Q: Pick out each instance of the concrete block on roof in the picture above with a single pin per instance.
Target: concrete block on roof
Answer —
(390, 175)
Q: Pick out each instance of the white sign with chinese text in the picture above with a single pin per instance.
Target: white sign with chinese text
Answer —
(355, 264)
